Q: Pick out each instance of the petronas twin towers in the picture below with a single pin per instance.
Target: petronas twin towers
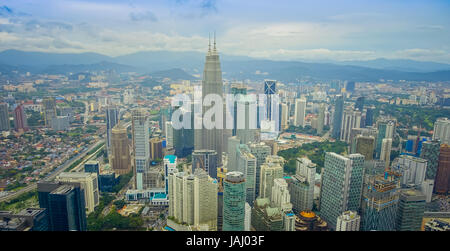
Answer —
(211, 139)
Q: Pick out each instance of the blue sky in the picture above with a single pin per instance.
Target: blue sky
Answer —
(285, 29)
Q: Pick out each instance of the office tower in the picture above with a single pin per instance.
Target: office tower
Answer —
(365, 145)
(411, 168)
(183, 138)
(4, 117)
(120, 149)
(301, 185)
(288, 221)
(49, 110)
(169, 134)
(321, 119)
(427, 189)
(411, 207)
(284, 124)
(92, 166)
(112, 118)
(260, 151)
(351, 119)
(269, 91)
(269, 172)
(350, 86)
(236, 89)
(170, 166)
(248, 217)
(234, 202)
(88, 182)
(141, 146)
(442, 181)
(265, 217)
(385, 154)
(156, 149)
(337, 116)
(181, 197)
(246, 164)
(233, 143)
(369, 116)
(106, 181)
(205, 200)
(206, 160)
(20, 119)
(442, 130)
(211, 139)
(280, 197)
(386, 129)
(30, 219)
(65, 205)
(359, 103)
(246, 130)
(348, 221)
(300, 112)
(379, 204)
(341, 185)
(309, 221)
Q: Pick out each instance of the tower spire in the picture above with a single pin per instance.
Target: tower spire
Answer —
(214, 40)
(209, 44)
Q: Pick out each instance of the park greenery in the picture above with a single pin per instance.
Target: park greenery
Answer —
(307, 130)
(314, 151)
(22, 201)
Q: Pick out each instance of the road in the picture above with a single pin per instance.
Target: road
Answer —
(52, 175)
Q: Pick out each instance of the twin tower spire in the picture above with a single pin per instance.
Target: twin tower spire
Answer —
(209, 45)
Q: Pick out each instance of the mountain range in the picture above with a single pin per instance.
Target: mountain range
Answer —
(189, 64)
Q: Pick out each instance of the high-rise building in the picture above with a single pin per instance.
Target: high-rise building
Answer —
(385, 154)
(442, 181)
(170, 166)
(20, 119)
(309, 221)
(321, 119)
(284, 124)
(411, 208)
(246, 164)
(260, 151)
(65, 205)
(269, 172)
(351, 119)
(246, 130)
(183, 138)
(4, 117)
(169, 134)
(88, 183)
(269, 91)
(206, 160)
(156, 149)
(60, 123)
(386, 129)
(365, 145)
(359, 104)
(112, 118)
(92, 166)
(380, 200)
(248, 217)
(280, 197)
(49, 110)
(301, 185)
(412, 169)
(211, 139)
(369, 116)
(236, 89)
(234, 202)
(337, 116)
(442, 130)
(205, 201)
(265, 217)
(430, 152)
(341, 185)
(233, 144)
(120, 149)
(348, 221)
(141, 145)
(300, 112)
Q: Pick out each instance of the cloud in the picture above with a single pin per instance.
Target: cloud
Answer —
(143, 16)
(209, 6)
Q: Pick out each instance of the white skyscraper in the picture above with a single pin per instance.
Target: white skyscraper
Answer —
(300, 112)
(350, 120)
(169, 134)
(88, 182)
(348, 221)
(269, 172)
(413, 169)
(442, 130)
(248, 217)
(280, 195)
(141, 145)
(246, 163)
(284, 116)
(385, 154)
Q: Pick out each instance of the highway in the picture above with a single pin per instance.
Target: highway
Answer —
(53, 173)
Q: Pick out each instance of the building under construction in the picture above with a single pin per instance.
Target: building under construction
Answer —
(380, 200)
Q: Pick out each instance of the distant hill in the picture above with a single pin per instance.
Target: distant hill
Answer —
(184, 64)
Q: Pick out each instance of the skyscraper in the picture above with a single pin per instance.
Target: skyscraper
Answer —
(359, 104)
(442, 182)
(411, 208)
(385, 154)
(205, 200)
(386, 129)
(341, 185)
(321, 119)
(88, 183)
(246, 164)
(120, 148)
(234, 202)
(369, 116)
(265, 217)
(247, 130)
(348, 221)
(269, 172)
(20, 119)
(4, 117)
(365, 145)
(442, 130)
(351, 119)
(156, 149)
(112, 118)
(284, 120)
(206, 160)
(300, 112)
(337, 116)
(269, 91)
(141, 146)
(430, 152)
(211, 139)
(280, 196)
(260, 151)
(49, 110)
(412, 169)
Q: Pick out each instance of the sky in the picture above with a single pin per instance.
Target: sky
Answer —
(320, 30)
